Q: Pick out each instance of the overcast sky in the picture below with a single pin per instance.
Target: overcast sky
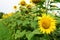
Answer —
(7, 5)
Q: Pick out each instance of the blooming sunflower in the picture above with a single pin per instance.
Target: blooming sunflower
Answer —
(5, 16)
(22, 3)
(9, 14)
(15, 7)
(46, 24)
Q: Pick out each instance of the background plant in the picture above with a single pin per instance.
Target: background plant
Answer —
(23, 24)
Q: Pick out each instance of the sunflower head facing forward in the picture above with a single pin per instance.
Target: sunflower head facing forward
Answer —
(22, 3)
(15, 7)
(46, 24)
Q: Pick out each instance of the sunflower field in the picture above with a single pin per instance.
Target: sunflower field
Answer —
(33, 21)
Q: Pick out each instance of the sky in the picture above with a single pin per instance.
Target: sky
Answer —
(6, 6)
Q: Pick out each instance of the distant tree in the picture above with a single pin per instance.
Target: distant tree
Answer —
(1, 14)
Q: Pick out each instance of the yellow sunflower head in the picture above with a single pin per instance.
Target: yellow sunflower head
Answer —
(5, 16)
(22, 3)
(46, 23)
(15, 7)
(9, 14)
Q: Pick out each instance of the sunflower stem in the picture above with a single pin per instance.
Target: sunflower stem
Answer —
(46, 37)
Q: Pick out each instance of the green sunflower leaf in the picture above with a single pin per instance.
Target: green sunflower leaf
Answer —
(4, 33)
(29, 34)
(19, 34)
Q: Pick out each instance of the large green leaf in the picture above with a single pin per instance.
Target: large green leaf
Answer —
(19, 34)
(29, 34)
(58, 20)
(4, 33)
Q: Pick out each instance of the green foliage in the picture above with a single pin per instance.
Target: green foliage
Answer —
(23, 25)
(4, 32)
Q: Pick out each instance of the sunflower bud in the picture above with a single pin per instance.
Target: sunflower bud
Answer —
(28, 6)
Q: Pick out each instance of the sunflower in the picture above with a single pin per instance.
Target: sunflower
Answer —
(15, 7)
(23, 3)
(46, 24)
(9, 14)
(34, 1)
(29, 6)
(5, 16)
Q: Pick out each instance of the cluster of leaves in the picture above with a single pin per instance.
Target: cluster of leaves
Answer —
(23, 25)
(57, 0)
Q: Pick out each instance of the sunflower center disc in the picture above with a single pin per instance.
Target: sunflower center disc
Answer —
(22, 3)
(46, 24)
